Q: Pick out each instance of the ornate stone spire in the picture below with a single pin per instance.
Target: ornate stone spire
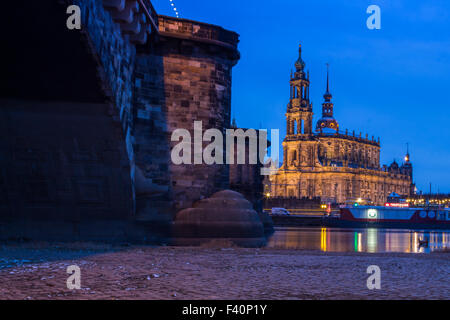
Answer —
(327, 96)
(327, 121)
(299, 64)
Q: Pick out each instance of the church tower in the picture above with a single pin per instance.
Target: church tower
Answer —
(327, 124)
(299, 110)
(299, 143)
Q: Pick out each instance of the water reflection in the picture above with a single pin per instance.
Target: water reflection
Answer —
(360, 240)
(372, 240)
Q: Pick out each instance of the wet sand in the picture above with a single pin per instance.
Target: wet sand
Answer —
(39, 272)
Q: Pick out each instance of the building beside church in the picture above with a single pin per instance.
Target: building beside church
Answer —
(328, 163)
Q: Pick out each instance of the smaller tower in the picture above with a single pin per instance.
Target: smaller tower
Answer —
(407, 153)
(407, 169)
(327, 124)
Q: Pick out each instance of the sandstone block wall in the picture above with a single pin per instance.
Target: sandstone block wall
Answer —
(86, 118)
(185, 78)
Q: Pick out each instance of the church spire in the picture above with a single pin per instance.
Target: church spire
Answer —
(300, 65)
(408, 169)
(327, 121)
(233, 123)
(327, 96)
(407, 158)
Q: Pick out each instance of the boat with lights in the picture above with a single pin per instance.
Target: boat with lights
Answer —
(391, 215)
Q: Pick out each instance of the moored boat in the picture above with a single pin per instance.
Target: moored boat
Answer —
(391, 217)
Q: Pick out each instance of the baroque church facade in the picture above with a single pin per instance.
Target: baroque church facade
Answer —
(327, 163)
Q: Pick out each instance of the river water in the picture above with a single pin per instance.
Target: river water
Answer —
(360, 240)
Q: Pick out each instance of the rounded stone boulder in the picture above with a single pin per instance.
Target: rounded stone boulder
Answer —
(226, 215)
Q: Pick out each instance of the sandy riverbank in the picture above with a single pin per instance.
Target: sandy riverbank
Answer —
(39, 272)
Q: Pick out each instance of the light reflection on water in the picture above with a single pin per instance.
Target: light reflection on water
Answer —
(360, 240)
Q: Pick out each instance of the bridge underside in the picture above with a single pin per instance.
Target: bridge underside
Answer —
(61, 162)
(63, 156)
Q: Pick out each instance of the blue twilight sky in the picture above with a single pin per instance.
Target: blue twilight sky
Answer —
(393, 83)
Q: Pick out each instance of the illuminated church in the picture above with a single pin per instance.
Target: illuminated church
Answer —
(327, 163)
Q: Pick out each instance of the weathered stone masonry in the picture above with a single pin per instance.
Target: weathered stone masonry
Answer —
(194, 60)
(86, 118)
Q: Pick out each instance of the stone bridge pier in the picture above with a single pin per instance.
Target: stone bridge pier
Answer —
(86, 118)
(186, 77)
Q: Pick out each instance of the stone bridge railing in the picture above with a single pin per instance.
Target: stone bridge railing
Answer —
(200, 32)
